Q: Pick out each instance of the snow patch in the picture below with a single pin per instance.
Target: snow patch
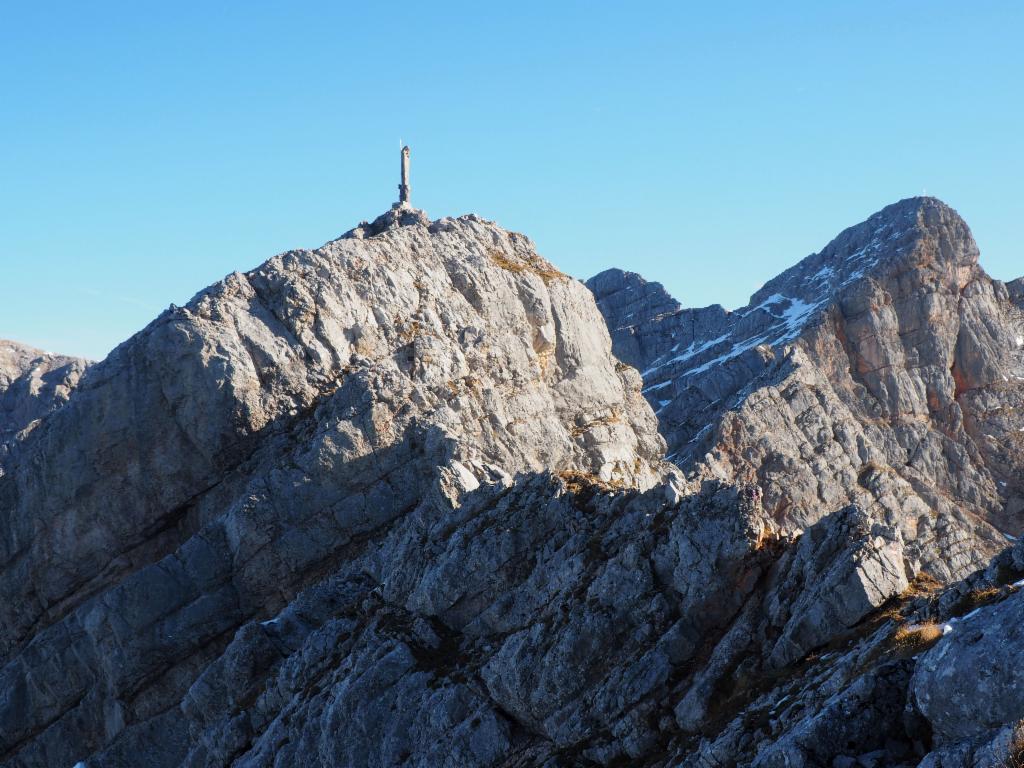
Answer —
(791, 313)
(656, 387)
(691, 351)
(700, 434)
(798, 313)
(823, 274)
(735, 351)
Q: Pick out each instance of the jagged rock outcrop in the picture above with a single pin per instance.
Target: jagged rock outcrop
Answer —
(885, 371)
(244, 446)
(393, 502)
(32, 384)
(970, 684)
(903, 687)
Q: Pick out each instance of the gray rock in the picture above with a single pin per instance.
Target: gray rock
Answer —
(244, 445)
(841, 569)
(999, 748)
(971, 682)
(393, 502)
(864, 714)
(882, 371)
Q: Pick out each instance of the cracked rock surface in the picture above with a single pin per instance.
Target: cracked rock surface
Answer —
(885, 371)
(403, 500)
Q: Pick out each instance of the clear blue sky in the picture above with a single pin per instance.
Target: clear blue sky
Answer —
(149, 149)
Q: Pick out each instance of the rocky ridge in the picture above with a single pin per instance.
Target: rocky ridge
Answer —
(393, 502)
(32, 384)
(245, 446)
(885, 371)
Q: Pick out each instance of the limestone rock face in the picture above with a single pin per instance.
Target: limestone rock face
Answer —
(885, 371)
(32, 384)
(394, 502)
(244, 446)
(841, 569)
(971, 683)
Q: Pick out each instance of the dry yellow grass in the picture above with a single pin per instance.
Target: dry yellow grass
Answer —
(981, 597)
(1015, 756)
(536, 265)
(913, 638)
(581, 482)
(614, 417)
(922, 585)
(1015, 749)
(976, 598)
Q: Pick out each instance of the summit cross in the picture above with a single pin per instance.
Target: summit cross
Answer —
(404, 189)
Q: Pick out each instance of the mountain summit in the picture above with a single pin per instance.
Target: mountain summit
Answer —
(885, 370)
(395, 502)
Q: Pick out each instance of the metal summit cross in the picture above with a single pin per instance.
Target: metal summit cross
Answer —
(404, 188)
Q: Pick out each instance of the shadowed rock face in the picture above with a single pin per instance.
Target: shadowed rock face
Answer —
(393, 502)
(885, 370)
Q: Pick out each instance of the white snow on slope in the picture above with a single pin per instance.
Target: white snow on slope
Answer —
(812, 294)
(690, 351)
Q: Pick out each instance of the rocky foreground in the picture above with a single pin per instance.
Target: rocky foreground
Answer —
(404, 501)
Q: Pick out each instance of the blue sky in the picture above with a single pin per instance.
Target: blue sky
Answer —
(149, 149)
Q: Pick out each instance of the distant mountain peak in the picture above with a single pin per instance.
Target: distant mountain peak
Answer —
(33, 383)
(777, 313)
(886, 239)
(895, 329)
